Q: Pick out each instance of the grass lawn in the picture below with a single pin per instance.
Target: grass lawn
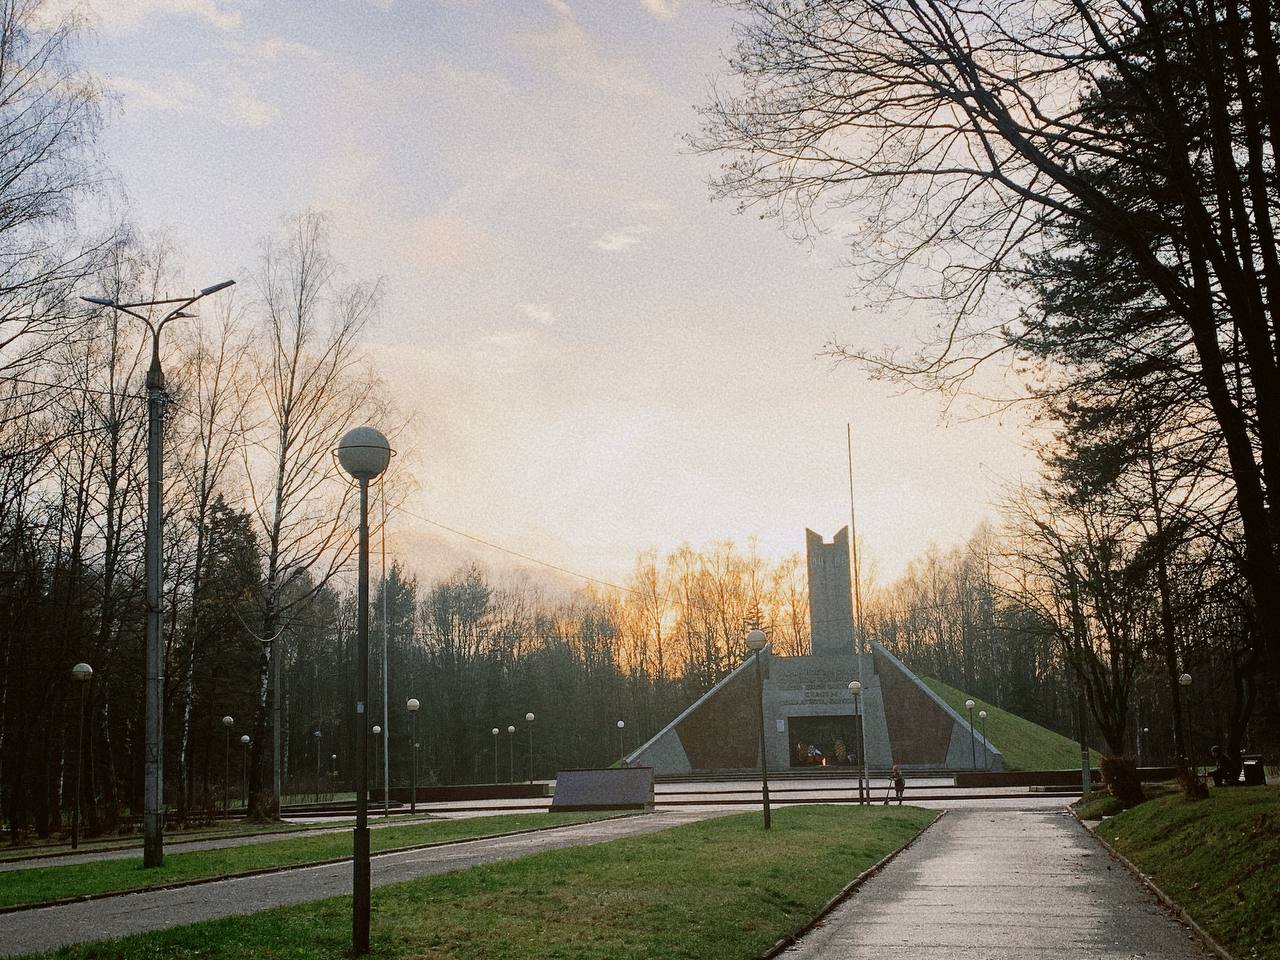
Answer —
(1025, 745)
(1217, 858)
(713, 890)
(40, 884)
(223, 828)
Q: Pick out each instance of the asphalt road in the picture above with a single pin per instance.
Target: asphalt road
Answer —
(992, 884)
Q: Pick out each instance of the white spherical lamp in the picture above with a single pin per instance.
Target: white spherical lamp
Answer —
(364, 452)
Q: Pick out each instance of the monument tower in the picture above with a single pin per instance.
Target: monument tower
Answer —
(830, 605)
(810, 718)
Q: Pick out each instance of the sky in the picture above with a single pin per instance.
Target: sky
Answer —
(595, 358)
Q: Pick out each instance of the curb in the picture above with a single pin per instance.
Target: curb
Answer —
(1165, 900)
(845, 893)
(263, 871)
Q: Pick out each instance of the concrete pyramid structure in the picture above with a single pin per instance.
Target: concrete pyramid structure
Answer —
(810, 717)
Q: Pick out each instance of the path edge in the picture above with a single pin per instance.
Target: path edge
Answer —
(1166, 901)
(846, 892)
(263, 871)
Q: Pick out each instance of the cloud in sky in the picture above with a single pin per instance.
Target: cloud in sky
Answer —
(505, 169)
(662, 9)
(538, 313)
(126, 15)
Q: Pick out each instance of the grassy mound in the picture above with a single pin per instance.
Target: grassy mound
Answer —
(1025, 745)
(1215, 857)
(713, 890)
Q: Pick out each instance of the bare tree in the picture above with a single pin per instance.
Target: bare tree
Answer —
(48, 123)
(962, 140)
(314, 384)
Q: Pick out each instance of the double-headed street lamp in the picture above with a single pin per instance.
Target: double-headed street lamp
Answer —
(529, 719)
(82, 673)
(756, 641)
(973, 746)
(153, 757)
(363, 453)
(412, 706)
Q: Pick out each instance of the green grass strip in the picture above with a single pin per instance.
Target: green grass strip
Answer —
(123, 841)
(711, 890)
(1023, 744)
(41, 884)
(1217, 858)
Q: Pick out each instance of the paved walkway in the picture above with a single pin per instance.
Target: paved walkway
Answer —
(30, 931)
(989, 884)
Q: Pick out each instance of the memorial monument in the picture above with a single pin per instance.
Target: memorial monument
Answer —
(811, 720)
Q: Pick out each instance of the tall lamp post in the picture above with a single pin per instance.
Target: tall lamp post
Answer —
(412, 706)
(227, 722)
(82, 673)
(496, 731)
(244, 770)
(153, 756)
(973, 746)
(622, 752)
(986, 752)
(864, 793)
(529, 719)
(756, 641)
(363, 453)
(1184, 682)
(511, 753)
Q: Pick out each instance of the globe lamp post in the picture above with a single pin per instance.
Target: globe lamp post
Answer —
(412, 706)
(364, 454)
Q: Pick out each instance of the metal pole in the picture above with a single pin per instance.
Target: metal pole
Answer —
(153, 791)
(413, 745)
(1084, 743)
(360, 859)
(317, 766)
(973, 744)
(244, 777)
(863, 776)
(386, 718)
(75, 822)
(226, 775)
(764, 765)
(495, 755)
(986, 746)
(511, 756)
(531, 751)
(276, 776)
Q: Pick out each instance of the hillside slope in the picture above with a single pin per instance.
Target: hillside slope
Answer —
(1025, 745)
